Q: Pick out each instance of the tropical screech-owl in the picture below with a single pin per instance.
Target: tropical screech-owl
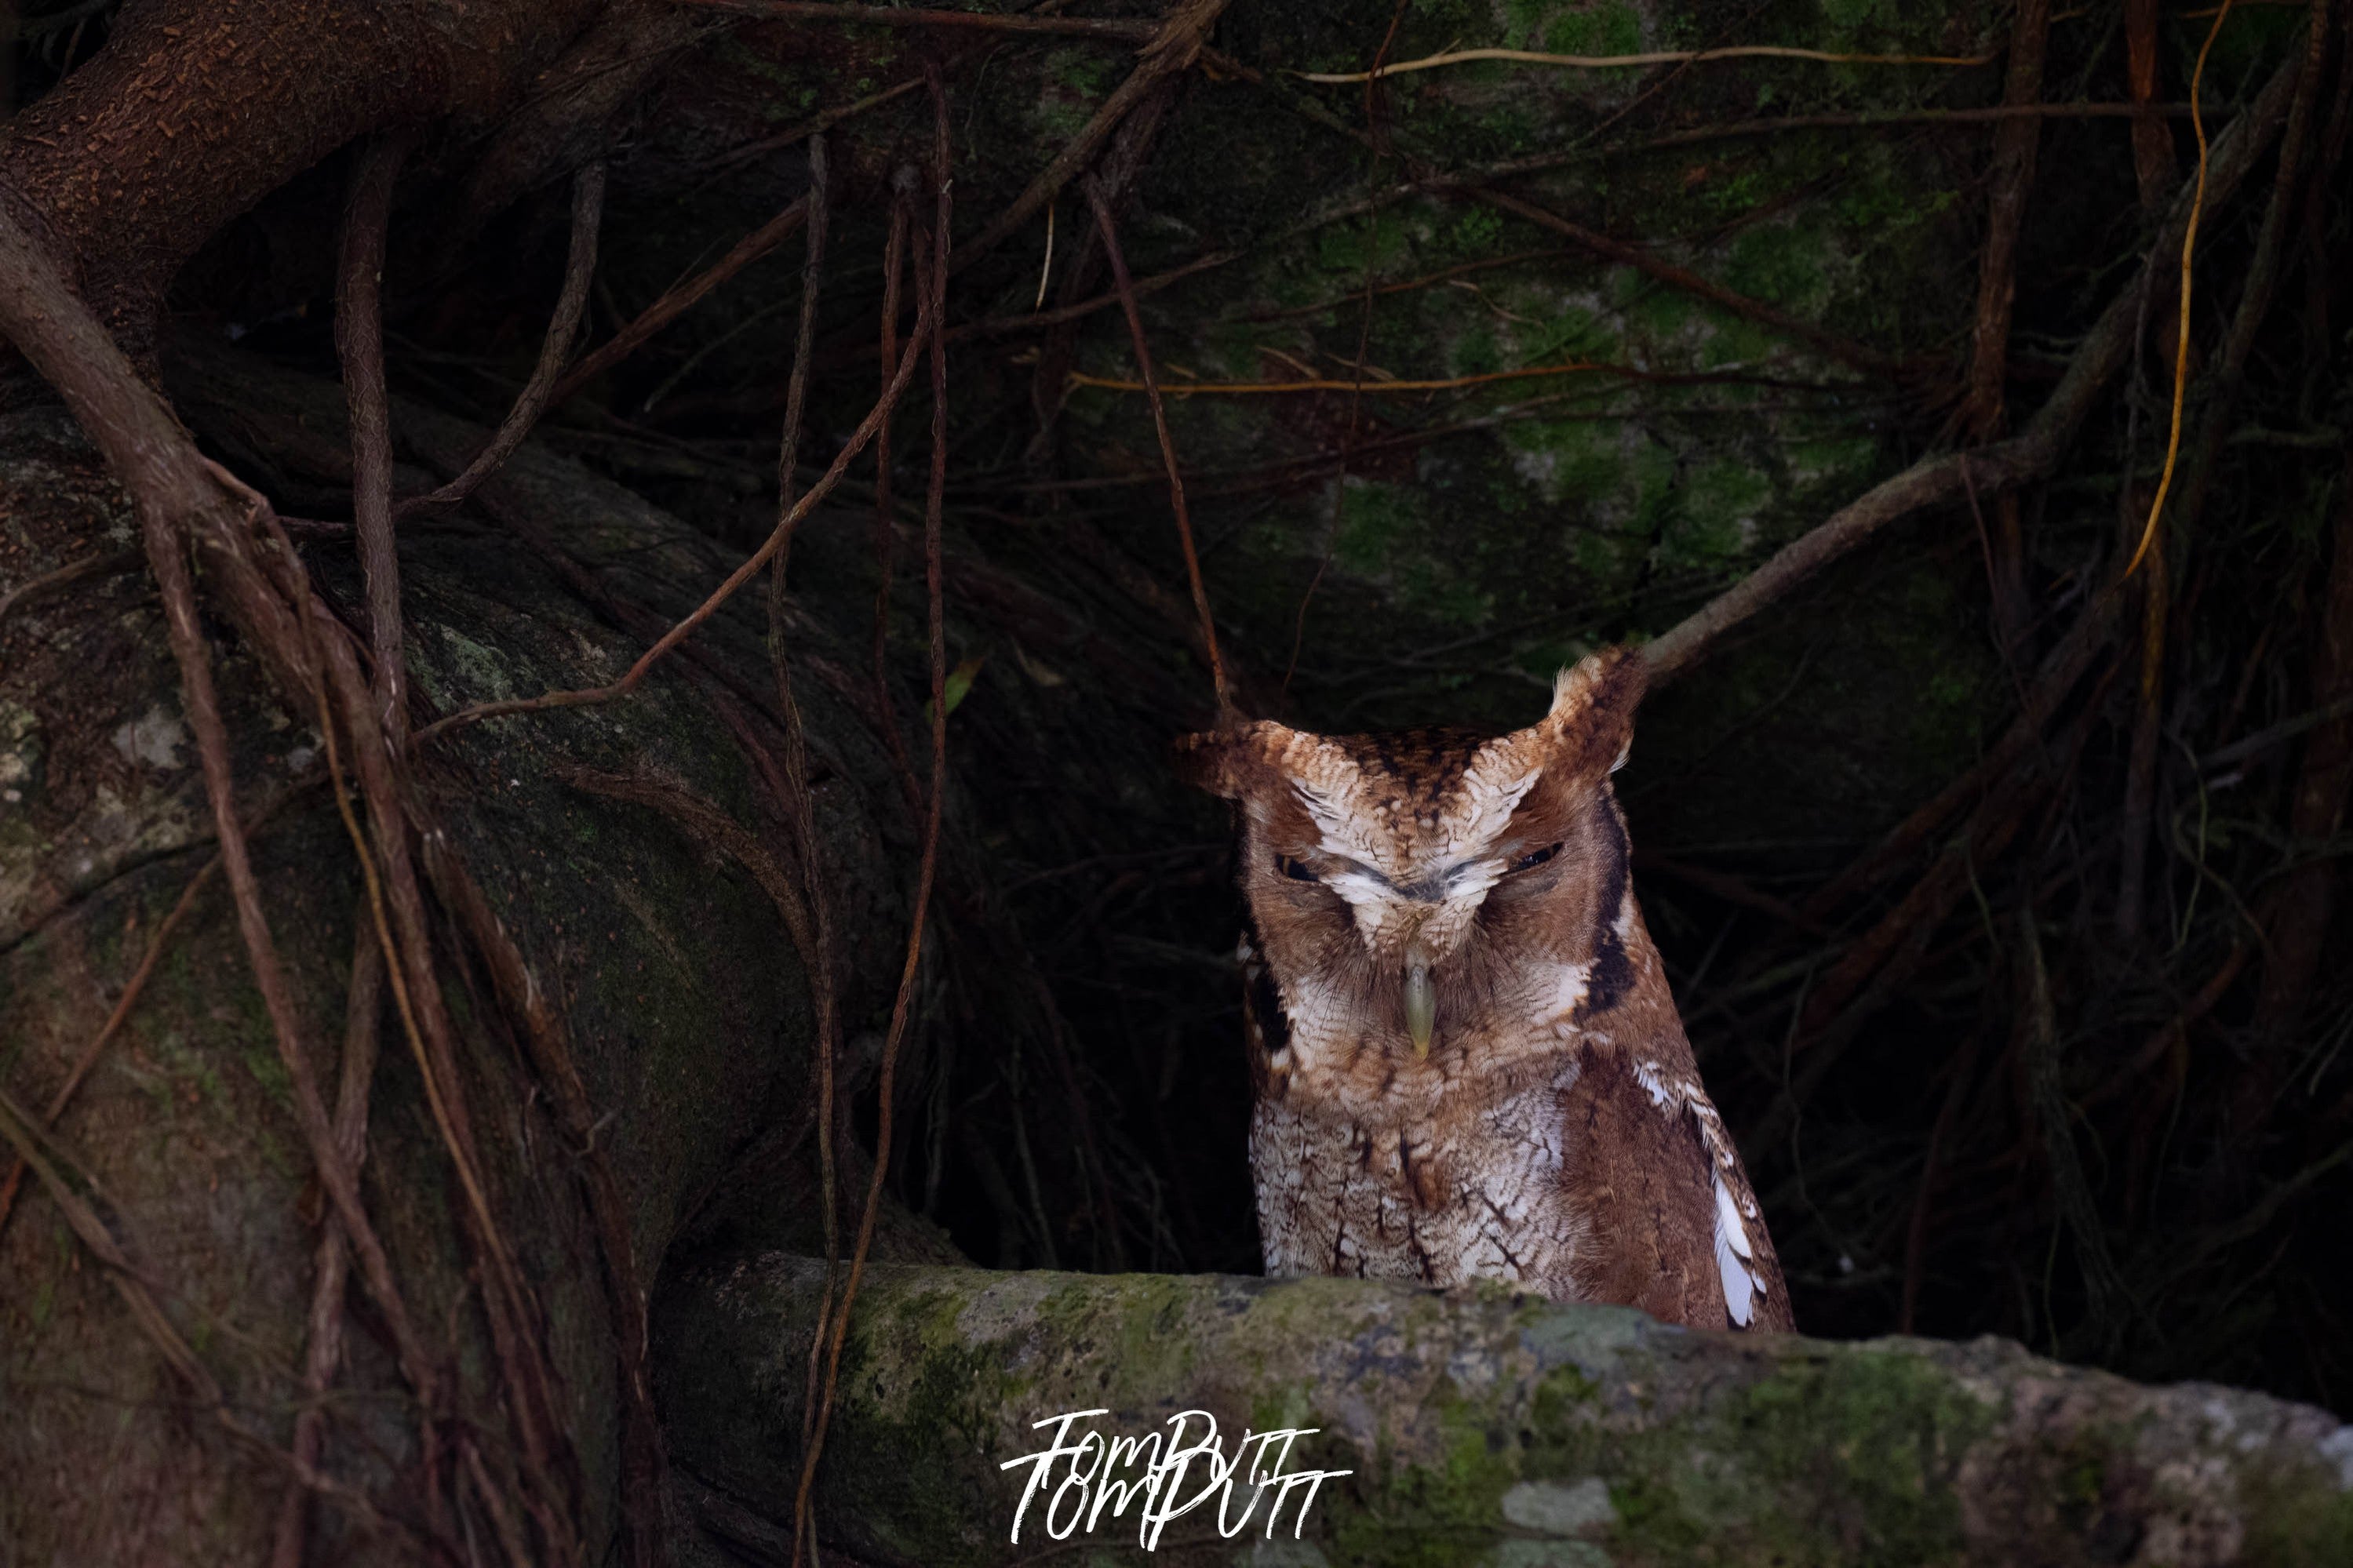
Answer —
(1466, 1057)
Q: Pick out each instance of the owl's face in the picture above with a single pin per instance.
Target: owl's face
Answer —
(1432, 900)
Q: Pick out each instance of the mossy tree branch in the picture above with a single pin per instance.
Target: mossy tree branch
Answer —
(1480, 1425)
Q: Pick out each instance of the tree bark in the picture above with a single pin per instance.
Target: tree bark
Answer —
(197, 109)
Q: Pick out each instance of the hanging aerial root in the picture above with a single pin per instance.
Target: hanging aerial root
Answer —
(1167, 443)
(833, 1317)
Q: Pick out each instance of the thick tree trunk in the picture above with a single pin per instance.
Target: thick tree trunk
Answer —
(1477, 1425)
(197, 109)
(687, 1011)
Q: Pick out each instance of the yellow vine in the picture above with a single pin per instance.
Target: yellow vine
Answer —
(2181, 338)
(1657, 57)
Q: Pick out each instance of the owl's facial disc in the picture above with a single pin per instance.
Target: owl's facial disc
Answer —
(1414, 925)
(1406, 886)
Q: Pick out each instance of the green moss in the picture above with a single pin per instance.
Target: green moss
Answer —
(1084, 68)
(1780, 264)
(1567, 332)
(1562, 1394)
(1411, 1515)
(1891, 1427)
(1662, 312)
(1345, 249)
(1476, 350)
(1850, 15)
(2300, 1518)
(1575, 27)
(1838, 459)
(481, 672)
(1722, 500)
(262, 1060)
(1076, 78)
(1475, 231)
(1375, 520)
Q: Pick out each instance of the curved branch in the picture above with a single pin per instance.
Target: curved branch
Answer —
(579, 269)
(2032, 454)
(194, 111)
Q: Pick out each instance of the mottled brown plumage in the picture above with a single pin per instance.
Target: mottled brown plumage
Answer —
(1467, 1060)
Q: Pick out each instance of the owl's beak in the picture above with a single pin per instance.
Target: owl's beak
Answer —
(1420, 999)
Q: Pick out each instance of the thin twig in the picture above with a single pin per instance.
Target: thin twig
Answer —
(2033, 453)
(797, 388)
(2140, 778)
(16, 1127)
(798, 807)
(1382, 148)
(107, 565)
(1060, 315)
(798, 134)
(1274, 388)
(803, 1521)
(2135, 1069)
(714, 830)
(395, 902)
(1168, 442)
(131, 1284)
(2014, 148)
(886, 528)
(1174, 47)
(359, 340)
(1878, 119)
(1841, 348)
(377, 747)
(166, 557)
(114, 1022)
(997, 326)
(323, 1353)
(579, 269)
(2153, 162)
(2181, 309)
(1915, 1240)
(1112, 30)
(1625, 62)
(545, 1036)
(2262, 269)
(679, 299)
(2062, 669)
(587, 696)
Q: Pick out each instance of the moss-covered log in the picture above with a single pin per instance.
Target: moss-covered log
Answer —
(1477, 1425)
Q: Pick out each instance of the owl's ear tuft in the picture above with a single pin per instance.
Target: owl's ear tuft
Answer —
(1593, 704)
(1232, 761)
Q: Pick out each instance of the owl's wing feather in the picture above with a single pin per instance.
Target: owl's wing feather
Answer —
(1675, 1229)
(1754, 1294)
(1734, 1260)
